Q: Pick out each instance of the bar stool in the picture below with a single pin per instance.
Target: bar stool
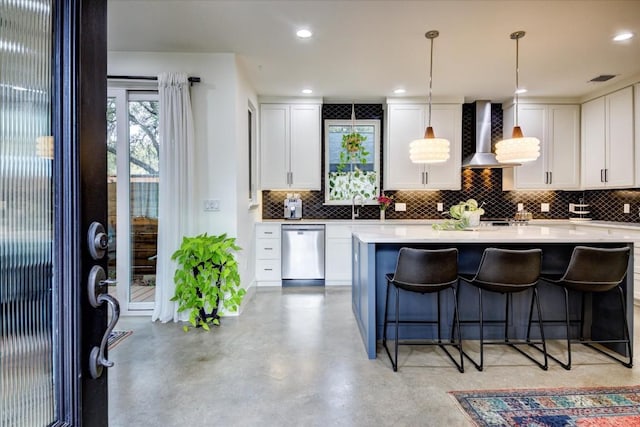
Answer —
(423, 271)
(507, 272)
(591, 271)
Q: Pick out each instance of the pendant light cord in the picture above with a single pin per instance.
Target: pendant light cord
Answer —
(517, 80)
(430, 78)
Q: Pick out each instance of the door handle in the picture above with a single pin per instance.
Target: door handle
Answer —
(97, 282)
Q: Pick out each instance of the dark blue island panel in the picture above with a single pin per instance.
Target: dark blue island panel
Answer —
(371, 261)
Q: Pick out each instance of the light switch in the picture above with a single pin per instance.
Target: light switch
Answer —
(212, 205)
(626, 208)
(440, 207)
(544, 207)
(400, 207)
(520, 207)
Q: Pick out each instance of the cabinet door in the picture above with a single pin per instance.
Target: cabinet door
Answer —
(563, 150)
(446, 121)
(593, 143)
(274, 152)
(619, 128)
(405, 123)
(533, 121)
(305, 147)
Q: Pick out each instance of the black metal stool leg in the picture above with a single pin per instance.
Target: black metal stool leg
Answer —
(395, 365)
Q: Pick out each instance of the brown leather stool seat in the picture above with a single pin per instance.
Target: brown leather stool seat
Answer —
(506, 272)
(423, 271)
(591, 271)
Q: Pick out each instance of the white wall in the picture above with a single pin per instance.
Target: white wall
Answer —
(219, 106)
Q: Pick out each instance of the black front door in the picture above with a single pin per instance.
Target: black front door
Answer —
(52, 189)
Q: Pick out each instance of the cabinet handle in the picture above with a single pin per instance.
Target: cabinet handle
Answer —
(268, 269)
(546, 177)
(268, 232)
(601, 175)
(606, 175)
(426, 178)
(268, 249)
(550, 177)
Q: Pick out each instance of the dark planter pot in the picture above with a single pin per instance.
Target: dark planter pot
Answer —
(202, 314)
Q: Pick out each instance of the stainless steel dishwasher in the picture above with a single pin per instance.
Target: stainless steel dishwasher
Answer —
(302, 254)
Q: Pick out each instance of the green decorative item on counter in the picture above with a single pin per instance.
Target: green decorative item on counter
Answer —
(207, 274)
(460, 216)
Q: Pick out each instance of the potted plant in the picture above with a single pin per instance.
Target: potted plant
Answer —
(207, 275)
(353, 150)
(463, 215)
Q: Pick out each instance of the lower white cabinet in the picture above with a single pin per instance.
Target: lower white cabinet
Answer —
(268, 255)
(338, 255)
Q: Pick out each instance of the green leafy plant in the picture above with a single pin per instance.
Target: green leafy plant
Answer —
(459, 221)
(207, 275)
(353, 150)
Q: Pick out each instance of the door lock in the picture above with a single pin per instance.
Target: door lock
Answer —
(97, 240)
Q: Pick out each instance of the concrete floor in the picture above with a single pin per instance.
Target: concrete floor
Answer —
(295, 358)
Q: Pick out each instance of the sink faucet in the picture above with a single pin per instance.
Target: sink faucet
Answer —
(355, 212)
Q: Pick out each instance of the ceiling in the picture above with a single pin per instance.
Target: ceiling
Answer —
(366, 49)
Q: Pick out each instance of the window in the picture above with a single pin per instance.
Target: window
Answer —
(352, 160)
(133, 149)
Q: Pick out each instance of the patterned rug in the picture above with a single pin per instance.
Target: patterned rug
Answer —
(116, 337)
(598, 406)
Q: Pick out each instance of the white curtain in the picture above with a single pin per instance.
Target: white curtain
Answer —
(175, 188)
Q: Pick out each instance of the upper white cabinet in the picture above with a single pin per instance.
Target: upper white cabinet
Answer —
(290, 149)
(637, 126)
(558, 129)
(607, 141)
(407, 122)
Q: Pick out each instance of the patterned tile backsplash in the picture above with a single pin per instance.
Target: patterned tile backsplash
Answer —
(484, 185)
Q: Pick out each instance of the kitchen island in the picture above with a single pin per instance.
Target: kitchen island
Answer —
(375, 249)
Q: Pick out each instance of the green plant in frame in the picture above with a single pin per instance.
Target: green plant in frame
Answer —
(207, 275)
(353, 150)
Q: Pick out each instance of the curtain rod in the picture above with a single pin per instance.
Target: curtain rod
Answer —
(192, 80)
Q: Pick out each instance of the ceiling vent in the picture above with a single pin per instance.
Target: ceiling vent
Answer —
(602, 78)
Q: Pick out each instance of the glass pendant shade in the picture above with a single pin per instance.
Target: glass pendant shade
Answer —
(518, 149)
(429, 149)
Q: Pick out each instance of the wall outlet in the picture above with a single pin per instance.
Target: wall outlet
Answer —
(212, 205)
(520, 207)
(400, 207)
(626, 208)
(440, 207)
(544, 207)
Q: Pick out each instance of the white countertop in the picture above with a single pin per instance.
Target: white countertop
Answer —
(391, 233)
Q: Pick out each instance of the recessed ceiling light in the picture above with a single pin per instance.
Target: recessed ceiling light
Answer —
(304, 33)
(399, 91)
(521, 90)
(622, 36)
(307, 91)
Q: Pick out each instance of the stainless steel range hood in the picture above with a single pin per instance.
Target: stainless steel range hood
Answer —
(483, 158)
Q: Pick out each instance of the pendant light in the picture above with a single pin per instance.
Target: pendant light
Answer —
(429, 149)
(518, 149)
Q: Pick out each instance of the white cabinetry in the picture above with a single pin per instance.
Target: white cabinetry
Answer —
(407, 122)
(290, 146)
(268, 257)
(607, 141)
(558, 129)
(636, 108)
(338, 255)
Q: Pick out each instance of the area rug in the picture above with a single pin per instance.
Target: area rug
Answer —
(116, 337)
(598, 406)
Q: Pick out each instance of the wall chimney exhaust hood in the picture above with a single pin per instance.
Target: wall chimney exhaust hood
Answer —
(483, 158)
